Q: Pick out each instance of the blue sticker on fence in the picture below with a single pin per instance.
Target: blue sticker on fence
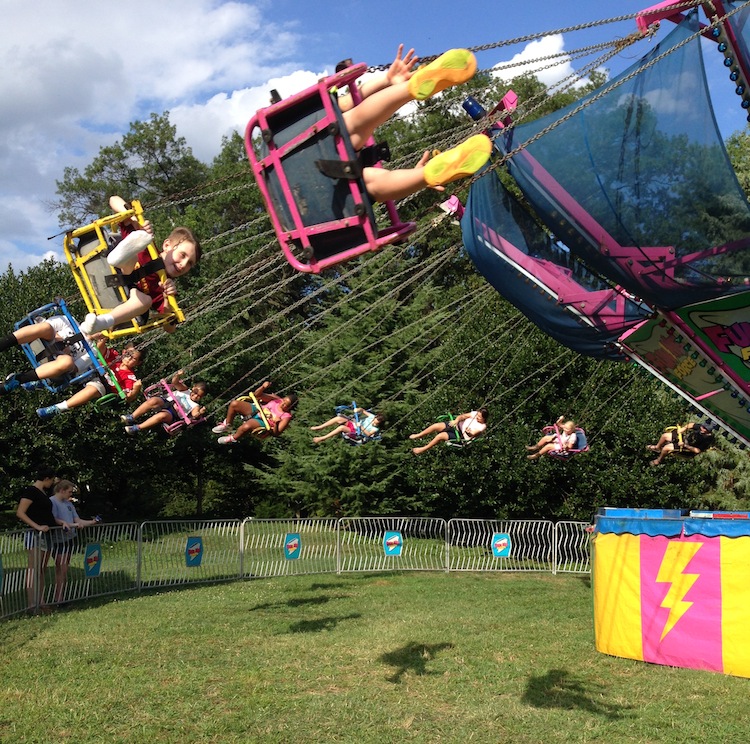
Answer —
(392, 543)
(193, 552)
(292, 546)
(501, 545)
(92, 561)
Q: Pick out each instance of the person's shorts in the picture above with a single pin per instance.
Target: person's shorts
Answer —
(170, 409)
(352, 427)
(62, 328)
(96, 382)
(63, 545)
(36, 539)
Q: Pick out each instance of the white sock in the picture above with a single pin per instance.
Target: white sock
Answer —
(128, 248)
(95, 323)
(62, 406)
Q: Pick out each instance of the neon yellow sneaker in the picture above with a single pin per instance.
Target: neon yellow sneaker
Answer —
(459, 161)
(454, 67)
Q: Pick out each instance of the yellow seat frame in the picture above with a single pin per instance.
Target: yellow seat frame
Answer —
(86, 251)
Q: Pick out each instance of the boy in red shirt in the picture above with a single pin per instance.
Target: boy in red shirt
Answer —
(123, 367)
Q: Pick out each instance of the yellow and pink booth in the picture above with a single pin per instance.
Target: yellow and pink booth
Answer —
(673, 587)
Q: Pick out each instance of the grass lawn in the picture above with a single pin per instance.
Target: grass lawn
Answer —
(425, 657)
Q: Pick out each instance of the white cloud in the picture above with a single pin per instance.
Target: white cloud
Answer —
(532, 61)
(76, 74)
(203, 125)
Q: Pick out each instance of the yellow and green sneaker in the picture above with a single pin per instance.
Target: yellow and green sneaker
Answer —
(458, 162)
(454, 67)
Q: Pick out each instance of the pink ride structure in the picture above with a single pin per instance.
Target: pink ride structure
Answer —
(310, 178)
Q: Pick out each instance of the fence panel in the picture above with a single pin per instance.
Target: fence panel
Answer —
(392, 544)
(500, 545)
(102, 559)
(121, 557)
(99, 560)
(14, 562)
(572, 547)
(286, 547)
(189, 551)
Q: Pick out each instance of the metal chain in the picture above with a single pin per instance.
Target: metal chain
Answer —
(568, 29)
(604, 91)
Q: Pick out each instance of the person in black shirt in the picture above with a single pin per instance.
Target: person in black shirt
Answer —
(35, 510)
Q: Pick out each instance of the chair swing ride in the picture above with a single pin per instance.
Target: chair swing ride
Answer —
(598, 266)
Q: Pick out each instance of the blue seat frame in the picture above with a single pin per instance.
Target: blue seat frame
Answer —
(40, 350)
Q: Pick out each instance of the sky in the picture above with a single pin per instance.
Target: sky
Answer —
(76, 74)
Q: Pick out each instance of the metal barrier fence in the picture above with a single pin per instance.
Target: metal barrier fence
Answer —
(38, 570)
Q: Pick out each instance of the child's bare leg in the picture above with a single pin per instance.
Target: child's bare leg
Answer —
(362, 120)
(151, 404)
(546, 439)
(330, 422)
(454, 67)
(431, 429)
(60, 365)
(385, 185)
(543, 451)
(62, 561)
(34, 331)
(442, 437)
(247, 426)
(163, 417)
(137, 304)
(238, 407)
(665, 450)
(82, 397)
(334, 432)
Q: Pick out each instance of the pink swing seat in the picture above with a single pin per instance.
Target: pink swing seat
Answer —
(310, 178)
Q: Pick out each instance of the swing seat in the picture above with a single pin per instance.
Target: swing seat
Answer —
(40, 350)
(358, 438)
(678, 453)
(455, 439)
(320, 220)
(162, 389)
(581, 444)
(258, 414)
(86, 250)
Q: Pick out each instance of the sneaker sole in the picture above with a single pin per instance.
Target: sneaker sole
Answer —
(453, 67)
(461, 161)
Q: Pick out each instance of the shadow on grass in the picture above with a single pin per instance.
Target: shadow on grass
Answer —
(561, 689)
(298, 602)
(321, 624)
(412, 657)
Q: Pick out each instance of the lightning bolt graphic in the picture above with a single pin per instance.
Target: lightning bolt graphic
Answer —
(675, 561)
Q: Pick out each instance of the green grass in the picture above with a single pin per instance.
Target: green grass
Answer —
(424, 657)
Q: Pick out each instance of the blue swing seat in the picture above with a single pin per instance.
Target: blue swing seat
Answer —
(358, 438)
(320, 220)
(41, 350)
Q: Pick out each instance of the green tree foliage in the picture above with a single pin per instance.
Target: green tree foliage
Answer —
(149, 163)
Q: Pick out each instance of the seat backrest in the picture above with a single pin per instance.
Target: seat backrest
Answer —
(319, 220)
(86, 250)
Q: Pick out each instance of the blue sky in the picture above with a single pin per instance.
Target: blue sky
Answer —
(75, 75)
